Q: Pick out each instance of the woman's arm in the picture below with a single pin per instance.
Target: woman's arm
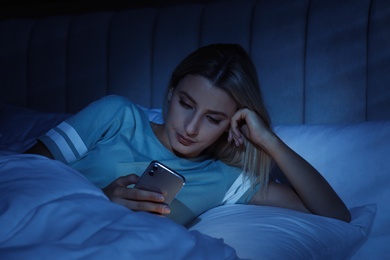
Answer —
(279, 195)
(307, 183)
(314, 191)
(41, 149)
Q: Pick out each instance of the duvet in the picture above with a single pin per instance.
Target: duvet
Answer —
(48, 210)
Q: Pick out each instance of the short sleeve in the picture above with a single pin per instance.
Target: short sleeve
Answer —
(80, 133)
(241, 190)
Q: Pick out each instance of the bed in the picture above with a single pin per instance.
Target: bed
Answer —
(323, 67)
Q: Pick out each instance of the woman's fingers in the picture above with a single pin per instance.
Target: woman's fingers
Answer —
(135, 199)
(247, 124)
(237, 139)
(238, 127)
(137, 194)
(144, 206)
(127, 180)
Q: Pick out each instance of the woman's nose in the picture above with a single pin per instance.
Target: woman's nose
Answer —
(192, 127)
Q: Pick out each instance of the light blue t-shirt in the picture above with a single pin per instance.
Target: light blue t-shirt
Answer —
(113, 137)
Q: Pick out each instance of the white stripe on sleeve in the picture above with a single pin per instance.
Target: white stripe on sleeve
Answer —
(237, 190)
(62, 145)
(74, 137)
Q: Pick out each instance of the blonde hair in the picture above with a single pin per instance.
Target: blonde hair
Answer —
(230, 68)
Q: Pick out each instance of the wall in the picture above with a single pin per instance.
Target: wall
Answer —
(41, 8)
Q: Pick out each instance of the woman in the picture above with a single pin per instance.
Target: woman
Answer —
(216, 129)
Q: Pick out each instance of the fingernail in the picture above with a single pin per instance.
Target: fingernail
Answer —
(166, 210)
(160, 198)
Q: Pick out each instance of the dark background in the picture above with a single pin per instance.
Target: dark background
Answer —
(37, 9)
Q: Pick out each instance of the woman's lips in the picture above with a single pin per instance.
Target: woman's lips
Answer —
(183, 140)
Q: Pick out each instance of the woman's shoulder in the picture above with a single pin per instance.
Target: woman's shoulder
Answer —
(224, 165)
(228, 170)
(109, 108)
(115, 104)
(115, 101)
(120, 103)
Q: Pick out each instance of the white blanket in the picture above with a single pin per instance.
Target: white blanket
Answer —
(49, 210)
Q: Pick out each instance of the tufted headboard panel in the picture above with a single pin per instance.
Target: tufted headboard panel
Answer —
(318, 61)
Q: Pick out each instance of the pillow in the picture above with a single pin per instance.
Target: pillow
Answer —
(259, 232)
(354, 159)
(344, 154)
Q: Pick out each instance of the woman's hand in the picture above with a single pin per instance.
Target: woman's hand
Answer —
(247, 123)
(135, 199)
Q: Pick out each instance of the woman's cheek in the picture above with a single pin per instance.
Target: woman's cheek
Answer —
(214, 134)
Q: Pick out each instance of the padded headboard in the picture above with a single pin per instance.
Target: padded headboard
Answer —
(318, 61)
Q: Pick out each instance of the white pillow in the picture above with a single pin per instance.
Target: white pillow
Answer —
(354, 159)
(258, 232)
(351, 157)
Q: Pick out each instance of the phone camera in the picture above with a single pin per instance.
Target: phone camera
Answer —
(151, 173)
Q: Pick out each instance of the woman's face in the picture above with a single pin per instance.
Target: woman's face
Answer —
(198, 114)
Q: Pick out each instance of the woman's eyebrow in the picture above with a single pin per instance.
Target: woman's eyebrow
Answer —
(208, 111)
(187, 96)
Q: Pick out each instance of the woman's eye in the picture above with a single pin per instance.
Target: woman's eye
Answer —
(184, 104)
(213, 120)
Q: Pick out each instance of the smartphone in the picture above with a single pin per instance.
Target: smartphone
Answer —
(159, 178)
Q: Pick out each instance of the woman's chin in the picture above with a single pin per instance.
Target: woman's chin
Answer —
(185, 153)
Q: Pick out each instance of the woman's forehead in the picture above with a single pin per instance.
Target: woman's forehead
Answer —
(203, 93)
